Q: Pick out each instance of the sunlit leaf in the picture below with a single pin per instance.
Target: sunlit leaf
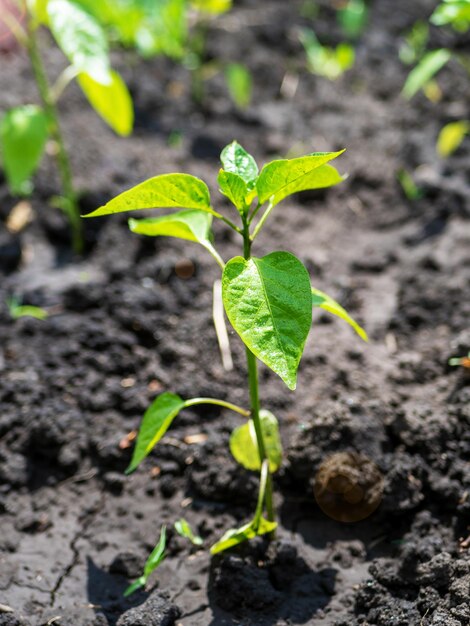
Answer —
(451, 136)
(410, 188)
(239, 83)
(235, 536)
(183, 528)
(454, 12)
(353, 17)
(284, 177)
(81, 39)
(428, 67)
(235, 188)
(244, 447)
(324, 301)
(268, 302)
(323, 60)
(156, 421)
(237, 160)
(137, 584)
(112, 101)
(212, 6)
(23, 135)
(164, 191)
(189, 225)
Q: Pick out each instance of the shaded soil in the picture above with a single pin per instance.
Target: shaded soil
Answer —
(124, 326)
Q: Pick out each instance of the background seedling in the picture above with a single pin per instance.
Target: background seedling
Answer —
(463, 361)
(18, 310)
(268, 300)
(25, 130)
(156, 557)
(183, 528)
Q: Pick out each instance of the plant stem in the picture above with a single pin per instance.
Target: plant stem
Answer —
(70, 206)
(254, 393)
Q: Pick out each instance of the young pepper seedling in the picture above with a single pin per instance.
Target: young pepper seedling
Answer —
(268, 299)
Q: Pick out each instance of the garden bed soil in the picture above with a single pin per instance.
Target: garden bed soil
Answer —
(125, 325)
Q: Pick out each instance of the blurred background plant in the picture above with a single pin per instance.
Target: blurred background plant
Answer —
(455, 15)
(328, 61)
(25, 130)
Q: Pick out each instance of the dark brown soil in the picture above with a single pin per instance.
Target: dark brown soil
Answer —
(74, 529)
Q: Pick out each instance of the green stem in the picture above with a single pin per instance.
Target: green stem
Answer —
(70, 207)
(254, 395)
(260, 224)
(226, 405)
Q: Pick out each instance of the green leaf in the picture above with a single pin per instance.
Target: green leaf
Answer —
(112, 101)
(164, 191)
(157, 555)
(38, 10)
(156, 421)
(235, 536)
(235, 159)
(239, 84)
(429, 65)
(244, 447)
(324, 301)
(23, 135)
(410, 188)
(81, 39)
(189, 225)
(284, 177)
(212, 6)
(28, 311)
(323, 60)
(451, 136)
(234, 187)
(183, 528)
(268, 302)
(137, 584)
(454, 12)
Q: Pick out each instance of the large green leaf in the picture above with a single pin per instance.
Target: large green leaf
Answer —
(244, 447)
(235, 188)
(156, 421)
(235, 536)
(164, 191)
(237, 160)
(428, 67)
(324, 301)
(80, 38)
(190, 225)
(23, 135)
(284, 177)
(268, 302)
(112, 101)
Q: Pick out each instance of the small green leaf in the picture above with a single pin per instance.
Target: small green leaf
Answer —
(451, 136)
(38, 10)
(164, 191)
(212, 6)
(234, 187)
(81, 39)
(268, 302)
(322, 300)
(156, 421)
(410, 188)
(28, 311)
(137, 584)
(428, 67)
(23, 135)
(239, 84)
(284, 177)
(157, 555)
(183, 528)
(236, 159)
(244, 447)
(189, 225)
(112, 101)
(235, 536)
